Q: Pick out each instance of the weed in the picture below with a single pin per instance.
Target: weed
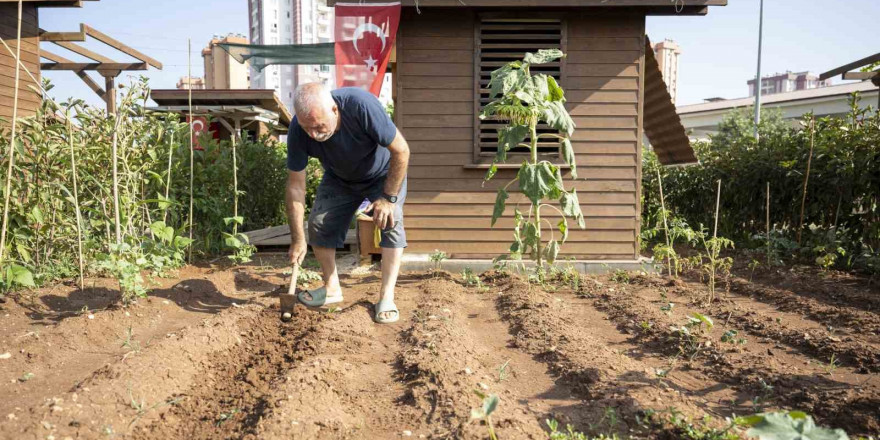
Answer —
(832, 365)
(333, 310)
(754, 264)
(620, 276)
(471, 279)
(730, 337)
(765, 394)
(504, 371)
(437, 257)
(571, 434)
(667, 308)
(490, 404)
(645, 326)
(306, 276)
(26, 377)
(223, 417)
(130, 343)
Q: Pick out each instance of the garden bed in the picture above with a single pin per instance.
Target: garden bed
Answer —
(205, 356)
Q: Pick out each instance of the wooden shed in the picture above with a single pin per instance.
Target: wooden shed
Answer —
(446, 51)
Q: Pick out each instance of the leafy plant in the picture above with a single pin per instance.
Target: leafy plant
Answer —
(469, 278)
(832, 365)
(689, 336)
(686, 429)
(166, 250)
(490, 404)
(620, 276)
(571, 434)
(711, 263)
(730, 337)
(15, 277)
(524, 101)
(239, 243)
(504, 371)
(437, 257)
(785, 426)
(125, 262)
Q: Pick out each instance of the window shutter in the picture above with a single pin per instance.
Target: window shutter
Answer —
(500, 41)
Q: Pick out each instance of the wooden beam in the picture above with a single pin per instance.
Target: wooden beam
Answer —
(110, 96)
(861, 75)
(53, 57)
(84, 52)
(116, 44)
(92, 84)
(853, 65)
(64, 36)
(93, 66)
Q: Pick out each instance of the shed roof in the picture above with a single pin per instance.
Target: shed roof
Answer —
(264, 98)
(662, 124)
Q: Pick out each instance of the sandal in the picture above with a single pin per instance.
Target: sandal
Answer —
(319, 298)
(384, 307)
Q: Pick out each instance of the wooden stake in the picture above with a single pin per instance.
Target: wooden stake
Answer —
(717, 209)
(665, 224)
(807, 176)
(11, 151)
(168, 177)
(235, 177)
(768, 224)
(76, 203)
(115, 166)
(191, 154)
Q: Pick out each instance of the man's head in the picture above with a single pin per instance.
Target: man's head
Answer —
(316, 111)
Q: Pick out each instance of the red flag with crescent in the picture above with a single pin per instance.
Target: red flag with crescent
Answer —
(364, 40)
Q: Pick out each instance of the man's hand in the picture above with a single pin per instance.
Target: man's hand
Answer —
(297, 252)
(383, 213)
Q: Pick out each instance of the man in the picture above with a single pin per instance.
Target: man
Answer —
(364, 157)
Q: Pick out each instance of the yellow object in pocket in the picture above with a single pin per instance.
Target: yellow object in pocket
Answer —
(377, 236)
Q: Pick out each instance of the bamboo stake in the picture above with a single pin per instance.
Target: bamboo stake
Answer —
(76, 203)
(717, 209)
(665, 224)
(768, 224)
(191, 154)
(168, 177)
(115, 169)
(235, 178)
(11, 153)
(807, 176)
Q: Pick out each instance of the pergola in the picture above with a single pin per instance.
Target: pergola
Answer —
(849, 72)
(105, 67)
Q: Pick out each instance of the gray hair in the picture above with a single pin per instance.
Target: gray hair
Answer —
(309, 96)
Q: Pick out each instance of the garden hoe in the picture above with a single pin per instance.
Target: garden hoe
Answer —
(288, 300)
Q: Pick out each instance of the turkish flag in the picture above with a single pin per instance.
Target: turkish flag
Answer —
(364, 37)
(199, 125)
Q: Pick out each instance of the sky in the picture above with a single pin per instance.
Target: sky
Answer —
(719, 50)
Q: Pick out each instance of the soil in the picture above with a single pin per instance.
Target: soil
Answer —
(205, 356)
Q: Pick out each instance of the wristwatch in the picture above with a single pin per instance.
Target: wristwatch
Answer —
(390, 198)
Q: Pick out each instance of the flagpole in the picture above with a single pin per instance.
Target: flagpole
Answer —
(758, 81)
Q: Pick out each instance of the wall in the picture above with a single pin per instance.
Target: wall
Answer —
(447, 208)
(28, 101)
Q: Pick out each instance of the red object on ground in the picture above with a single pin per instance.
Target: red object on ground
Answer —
(364, 38)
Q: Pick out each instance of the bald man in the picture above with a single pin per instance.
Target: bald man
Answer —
(364, 157)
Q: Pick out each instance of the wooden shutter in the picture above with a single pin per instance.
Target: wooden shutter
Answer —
(498, 42)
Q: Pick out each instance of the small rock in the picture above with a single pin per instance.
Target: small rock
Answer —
(10, 416)
(91, 316)
(165, 302)
(127, 314)
(57, 408)
(483, 386)
(6, 355)
(467, 371)
(407, 433)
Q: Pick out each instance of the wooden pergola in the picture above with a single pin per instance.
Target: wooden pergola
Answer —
(105, 67)
(848, 71)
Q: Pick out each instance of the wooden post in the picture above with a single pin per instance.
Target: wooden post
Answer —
(76, 201)
(665, 224)
(807, 176)
(11, 152)
(191, 153)
(110, 90)
(717, 209)
(235, 138)
(168, 177)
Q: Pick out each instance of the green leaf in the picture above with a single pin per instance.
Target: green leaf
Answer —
(557, 117)
(19, 276)
(238, 220)
(164, 202)
(491, 173)
(784, 426)
(508, 138)
(500, 200)
(563, 228)
(182, 242)
(539, 181)
(23, 252)
(163, 232)
(556, 92)
(572, 207)
(552, 251)
(704, 319)
(490, 404)
(517, 247)
(477, 414)
(543, 56)
(231, 241)
(37, 215)
(568, 155)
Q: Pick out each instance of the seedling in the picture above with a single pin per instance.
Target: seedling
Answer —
(437, 257)
(790, 425)
(667, 308)
(754, 264)
(689, 335)
(305, 276)
(524, 101)
(645, 326)
(571, 434)
(239, 243)
(711, 263)
(223, 417)
(504, 371)
(620, 276)
(490, 404)
(471, 279)
(26, 377)
(730, 337)
(832, 365)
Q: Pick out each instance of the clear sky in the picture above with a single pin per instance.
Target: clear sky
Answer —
(719, 51)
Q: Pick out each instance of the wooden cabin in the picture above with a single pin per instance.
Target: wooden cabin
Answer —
(445, 53)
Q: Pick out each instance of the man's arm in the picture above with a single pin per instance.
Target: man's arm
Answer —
(295, 201)
(399, 163)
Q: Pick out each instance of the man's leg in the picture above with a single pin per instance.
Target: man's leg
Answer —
(390, 269)
(327, 259)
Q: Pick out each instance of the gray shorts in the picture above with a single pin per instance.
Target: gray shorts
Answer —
(335, 205)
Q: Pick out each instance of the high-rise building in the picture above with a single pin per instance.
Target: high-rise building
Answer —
(667, 52)
(221, 70)
(284, 22)
(190, 82)
(788, 82)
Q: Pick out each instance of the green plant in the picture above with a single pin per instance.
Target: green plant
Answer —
(166, 250)
(689, 336)
(504, 371)
(490, 404)
(523, 101)
(832, 365)
(730, 337)
(620, 276)
(684, 428)
(239, 243)
(437, 257)
(224, 417)
(571, 434)
(470, 279)
(125, 262)
(754, 264)
(711, 263)
(790, 425)
(306, 276)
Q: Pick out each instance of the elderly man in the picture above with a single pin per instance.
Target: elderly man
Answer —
(364, 157)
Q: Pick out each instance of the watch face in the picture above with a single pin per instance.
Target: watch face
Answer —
(392, 199)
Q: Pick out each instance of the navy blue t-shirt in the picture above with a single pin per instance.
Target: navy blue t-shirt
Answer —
(356, 153)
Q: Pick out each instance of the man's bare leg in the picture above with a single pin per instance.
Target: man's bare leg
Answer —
(390, 270)
(327, 259)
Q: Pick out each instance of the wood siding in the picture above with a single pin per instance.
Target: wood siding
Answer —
(447, 207)
(28, 100)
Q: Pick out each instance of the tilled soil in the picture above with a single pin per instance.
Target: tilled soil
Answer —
(206, 357)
